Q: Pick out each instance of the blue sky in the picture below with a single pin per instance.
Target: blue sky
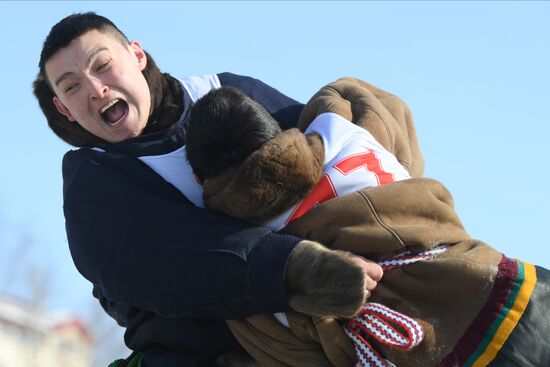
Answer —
(475, 75)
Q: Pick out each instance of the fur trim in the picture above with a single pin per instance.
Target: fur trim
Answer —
(278, 174)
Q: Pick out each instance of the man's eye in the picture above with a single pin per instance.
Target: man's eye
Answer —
(70, 87)
(103, 66)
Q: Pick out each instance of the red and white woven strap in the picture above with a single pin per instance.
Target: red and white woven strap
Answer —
(409, 257)
(385, 325)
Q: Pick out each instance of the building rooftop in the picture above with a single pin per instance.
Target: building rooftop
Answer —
(18, 312)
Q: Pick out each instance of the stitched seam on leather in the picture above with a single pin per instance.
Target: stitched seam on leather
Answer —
(386, 227)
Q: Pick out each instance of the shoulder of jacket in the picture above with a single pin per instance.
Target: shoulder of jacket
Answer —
(198, 85)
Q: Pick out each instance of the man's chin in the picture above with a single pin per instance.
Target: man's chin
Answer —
(126, 128)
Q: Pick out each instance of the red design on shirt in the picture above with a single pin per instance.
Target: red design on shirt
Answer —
(367, 160)
(324, 190)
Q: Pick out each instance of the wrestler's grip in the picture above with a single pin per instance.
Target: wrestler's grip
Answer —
(324, 282)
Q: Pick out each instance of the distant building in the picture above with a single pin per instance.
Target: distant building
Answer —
(35, 339)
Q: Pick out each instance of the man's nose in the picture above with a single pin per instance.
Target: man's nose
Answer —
(98, 88)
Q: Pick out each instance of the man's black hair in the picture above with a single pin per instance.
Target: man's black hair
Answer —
(225, 126)
(61, 35)
(72, 27)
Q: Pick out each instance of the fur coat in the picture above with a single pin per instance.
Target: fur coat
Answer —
(445, 294)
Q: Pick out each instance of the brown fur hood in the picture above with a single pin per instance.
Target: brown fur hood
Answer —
(270, 180)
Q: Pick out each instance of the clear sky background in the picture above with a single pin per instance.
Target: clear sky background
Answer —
(476, 76)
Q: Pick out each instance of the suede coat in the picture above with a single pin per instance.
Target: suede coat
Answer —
(444, 294)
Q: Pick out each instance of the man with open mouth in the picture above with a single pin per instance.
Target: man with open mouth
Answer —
(170, 271)
(113, 112)
(99, 84)
(164, 268)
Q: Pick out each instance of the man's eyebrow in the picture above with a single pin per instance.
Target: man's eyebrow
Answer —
(70, 73)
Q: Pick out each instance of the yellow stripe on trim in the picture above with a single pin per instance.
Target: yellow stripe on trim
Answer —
(512, 319)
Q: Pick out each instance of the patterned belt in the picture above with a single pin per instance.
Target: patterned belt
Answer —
(385, 325)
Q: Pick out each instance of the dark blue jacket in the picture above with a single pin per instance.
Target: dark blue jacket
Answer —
(166, 270)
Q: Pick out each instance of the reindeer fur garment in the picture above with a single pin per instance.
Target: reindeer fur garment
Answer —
(444, 294)
(280, 173)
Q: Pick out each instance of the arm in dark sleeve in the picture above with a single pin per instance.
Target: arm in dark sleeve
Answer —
(283, 109)
(137, 239)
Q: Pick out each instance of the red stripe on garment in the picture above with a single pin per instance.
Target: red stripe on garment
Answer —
(474, 335)
(367, 160)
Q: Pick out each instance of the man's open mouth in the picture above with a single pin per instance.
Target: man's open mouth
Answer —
(113, 112)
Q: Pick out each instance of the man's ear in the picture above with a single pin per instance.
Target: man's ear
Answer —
(140, 54)
(63, 109)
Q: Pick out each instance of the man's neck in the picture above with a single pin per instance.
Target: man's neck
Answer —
(166, 98)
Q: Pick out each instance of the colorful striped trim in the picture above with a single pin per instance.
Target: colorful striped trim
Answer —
(508, 317)
(513, 286)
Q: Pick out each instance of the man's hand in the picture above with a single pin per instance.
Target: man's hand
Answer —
(373, 272)
(324, 282)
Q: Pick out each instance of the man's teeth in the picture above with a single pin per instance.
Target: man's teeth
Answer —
(108, 105)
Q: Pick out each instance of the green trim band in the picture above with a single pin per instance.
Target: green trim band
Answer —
(133, 360)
